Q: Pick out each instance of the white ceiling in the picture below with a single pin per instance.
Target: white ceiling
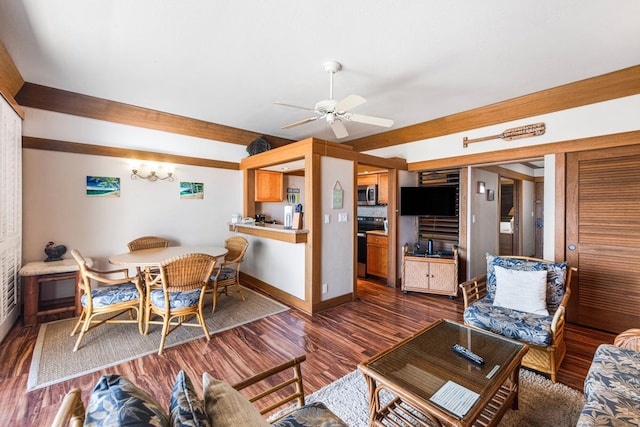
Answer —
(227, 61)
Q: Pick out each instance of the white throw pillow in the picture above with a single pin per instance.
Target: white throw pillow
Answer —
(521, 290)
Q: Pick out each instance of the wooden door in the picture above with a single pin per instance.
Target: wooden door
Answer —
(603, 237)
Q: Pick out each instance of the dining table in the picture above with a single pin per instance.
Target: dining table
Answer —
(153, 257)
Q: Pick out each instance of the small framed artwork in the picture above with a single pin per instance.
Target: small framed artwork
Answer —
(103, 186)
(191, 190)
(480, 187)
(337, 196)
(490, 195)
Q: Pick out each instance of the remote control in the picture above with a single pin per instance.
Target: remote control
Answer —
(468, 354)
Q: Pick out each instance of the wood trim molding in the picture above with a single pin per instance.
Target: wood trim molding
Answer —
(609, 86)
(276, 293)
(581, 144)
(100, 150)
(61, 101)
(10, 80)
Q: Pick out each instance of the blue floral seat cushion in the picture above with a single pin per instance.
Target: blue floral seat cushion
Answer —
(312, 414)
(176, 299)
(186, 409)
(226, 273)
(556, 276)
(113, 294)
(612, 388)
(518, 325)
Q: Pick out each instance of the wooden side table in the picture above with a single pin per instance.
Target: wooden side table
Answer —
(39, 272)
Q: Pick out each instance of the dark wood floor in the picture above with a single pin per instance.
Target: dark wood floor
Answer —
(334, 342)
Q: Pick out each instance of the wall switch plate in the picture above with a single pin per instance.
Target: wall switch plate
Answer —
(327, 218)
(343, 217)
(325, 288)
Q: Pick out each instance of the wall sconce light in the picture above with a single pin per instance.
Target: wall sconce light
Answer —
(151, 176)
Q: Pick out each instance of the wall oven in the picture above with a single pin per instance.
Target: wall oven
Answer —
(367, 194)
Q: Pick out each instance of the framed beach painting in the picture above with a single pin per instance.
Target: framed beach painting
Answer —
(191, 190)
(103, 186)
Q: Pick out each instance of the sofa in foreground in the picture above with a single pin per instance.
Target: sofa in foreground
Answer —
(116, 401)
(612, 385)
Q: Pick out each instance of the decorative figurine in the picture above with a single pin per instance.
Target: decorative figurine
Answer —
(54, 253)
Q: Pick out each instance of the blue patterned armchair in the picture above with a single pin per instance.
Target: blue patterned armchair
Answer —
(542, 330)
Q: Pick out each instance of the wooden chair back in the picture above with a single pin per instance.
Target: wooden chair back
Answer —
(237, 247)
(187, 272)
(147, 242)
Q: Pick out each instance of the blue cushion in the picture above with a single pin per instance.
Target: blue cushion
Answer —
(115, 401)
(176, 299)
(226, 273)
(556, 276)
(518, 325)
(185, 407)
(312, 414)
(113, 294)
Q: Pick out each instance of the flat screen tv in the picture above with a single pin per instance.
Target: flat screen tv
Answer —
(428, 201)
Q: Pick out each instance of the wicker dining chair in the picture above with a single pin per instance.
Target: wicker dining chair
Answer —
(147, 242)
(228, 274)
(177, 293)
(114, 297)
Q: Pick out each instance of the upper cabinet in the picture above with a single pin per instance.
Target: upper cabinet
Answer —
(269, 186)
(381, 180)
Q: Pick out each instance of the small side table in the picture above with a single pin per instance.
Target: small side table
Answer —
(39, 272)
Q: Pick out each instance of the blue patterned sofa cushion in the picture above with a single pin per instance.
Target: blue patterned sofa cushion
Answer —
(312, 414)
(612, 388)
(115, 401)
(108, 295)
(186, 409)
(556, 278)
(176, 299)
(526, 327)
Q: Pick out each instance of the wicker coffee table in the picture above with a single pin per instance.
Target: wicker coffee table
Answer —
(422, 381)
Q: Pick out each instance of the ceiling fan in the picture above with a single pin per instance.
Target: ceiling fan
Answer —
(337, 112)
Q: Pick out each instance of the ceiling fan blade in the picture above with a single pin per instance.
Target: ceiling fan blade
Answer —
(338, 128)
(350, 102)
(294, 106)
(370, 120)
(301, 122)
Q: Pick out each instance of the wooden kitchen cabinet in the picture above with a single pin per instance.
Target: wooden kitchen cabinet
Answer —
(430, 275)
(368, 179)
(383, 188)
(269, 186)
(377, 254)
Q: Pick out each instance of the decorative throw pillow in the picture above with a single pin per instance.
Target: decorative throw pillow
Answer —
(521, 290)
(556, 275)
(227, 407)
(185, 407)
(116, 401)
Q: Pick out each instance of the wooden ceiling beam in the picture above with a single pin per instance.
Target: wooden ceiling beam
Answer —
(61, 101)
(125, 153)
(618, 84)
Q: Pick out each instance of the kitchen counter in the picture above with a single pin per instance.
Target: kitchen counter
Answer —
(271, 231)
(377, 232)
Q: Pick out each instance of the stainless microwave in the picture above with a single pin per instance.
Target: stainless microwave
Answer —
(367, 194)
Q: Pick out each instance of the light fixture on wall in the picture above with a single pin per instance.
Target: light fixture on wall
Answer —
(153, 175)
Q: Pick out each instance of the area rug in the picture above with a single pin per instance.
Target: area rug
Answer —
(541, 402)
(108, 345)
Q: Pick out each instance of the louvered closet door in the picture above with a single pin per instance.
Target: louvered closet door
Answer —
(10, 215)
(603, 224)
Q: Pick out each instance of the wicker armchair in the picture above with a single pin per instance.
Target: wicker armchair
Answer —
(228, 274)
(544, 355)
(120, 295)
(182, 283)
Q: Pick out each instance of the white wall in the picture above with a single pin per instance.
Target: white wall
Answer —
(528, 218)
(483, 221)
(57, 209)
(337, 237)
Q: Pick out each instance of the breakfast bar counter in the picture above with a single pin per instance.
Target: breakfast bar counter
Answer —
(271, 231)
